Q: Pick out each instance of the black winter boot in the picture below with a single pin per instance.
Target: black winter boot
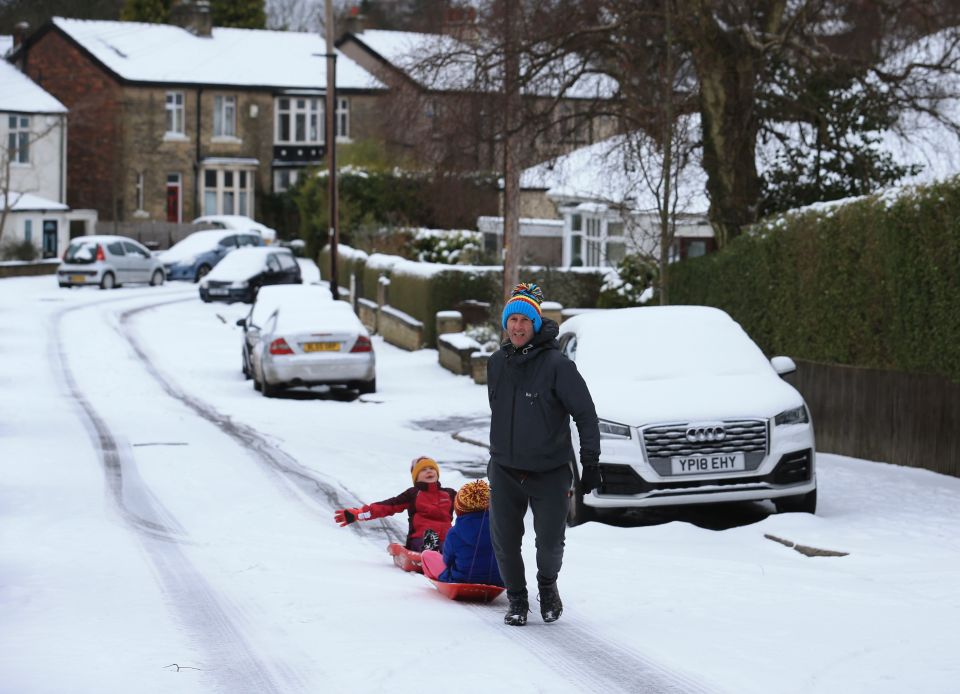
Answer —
(550, 605)
(517, 611)
(430, 540)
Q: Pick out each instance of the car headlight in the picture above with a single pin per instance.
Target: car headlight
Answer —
(798, 415)
(241, 284)
(612, 430)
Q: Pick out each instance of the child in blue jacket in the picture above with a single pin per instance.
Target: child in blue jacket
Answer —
(467, 551)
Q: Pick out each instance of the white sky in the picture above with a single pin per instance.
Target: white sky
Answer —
(203, 536)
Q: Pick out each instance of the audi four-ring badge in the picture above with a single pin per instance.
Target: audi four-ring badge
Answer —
(691, 412)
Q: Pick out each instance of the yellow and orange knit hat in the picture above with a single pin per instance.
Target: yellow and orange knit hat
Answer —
(473, 496)
(421, 463)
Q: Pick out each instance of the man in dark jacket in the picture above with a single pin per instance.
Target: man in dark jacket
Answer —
(533, 391)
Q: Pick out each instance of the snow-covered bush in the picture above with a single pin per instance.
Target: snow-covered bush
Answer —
(447, 247)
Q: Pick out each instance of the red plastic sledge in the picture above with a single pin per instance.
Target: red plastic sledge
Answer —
(469, 592)
(405, 558)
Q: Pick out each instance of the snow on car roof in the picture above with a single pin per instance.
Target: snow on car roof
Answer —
(328, 317)
(197, 242)
(241, 263)
(660, 342)
(271, 297)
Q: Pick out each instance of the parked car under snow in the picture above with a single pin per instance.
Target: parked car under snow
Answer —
(241, 274)
(297, 335)
(108, 262)
(690, 411)
(193, 257)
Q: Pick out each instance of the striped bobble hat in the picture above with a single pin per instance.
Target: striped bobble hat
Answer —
(473, 496)
(525, 299)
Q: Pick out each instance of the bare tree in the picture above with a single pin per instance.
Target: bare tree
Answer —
(498, 93)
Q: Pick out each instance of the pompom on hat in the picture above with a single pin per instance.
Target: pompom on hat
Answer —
(525, 300)
(420, 464)
(473, 496)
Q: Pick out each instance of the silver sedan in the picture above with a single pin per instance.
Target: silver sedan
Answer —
(296, 335)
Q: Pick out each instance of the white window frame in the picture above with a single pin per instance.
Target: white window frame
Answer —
(342, 120)
(293, 110)
(232, 191)
(18, 139)
(140, 191)
(593, 237)
(174, 112)
(225, 116)
(285, 179)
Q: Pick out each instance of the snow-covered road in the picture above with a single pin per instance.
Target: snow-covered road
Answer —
(163, 527)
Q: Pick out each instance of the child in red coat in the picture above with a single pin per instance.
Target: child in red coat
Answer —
(428, 505)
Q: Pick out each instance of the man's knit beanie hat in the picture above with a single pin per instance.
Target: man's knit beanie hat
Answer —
(473, 496)
(422, 463)
(525, 299)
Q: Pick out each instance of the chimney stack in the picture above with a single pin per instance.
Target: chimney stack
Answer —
(194, 16)
(355, 21)
(20, 31)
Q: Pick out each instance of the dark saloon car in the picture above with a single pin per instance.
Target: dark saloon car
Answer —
(239, 276)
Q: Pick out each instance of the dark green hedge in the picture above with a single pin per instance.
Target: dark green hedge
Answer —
(872, 283)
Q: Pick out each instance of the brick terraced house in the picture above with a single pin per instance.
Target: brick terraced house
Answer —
(169, 122)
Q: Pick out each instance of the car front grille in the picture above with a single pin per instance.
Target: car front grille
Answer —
(747, 436)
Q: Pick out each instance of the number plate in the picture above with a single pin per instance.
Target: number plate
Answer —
(707, 464)
(78, 278)
(321, 346)
(218, 292)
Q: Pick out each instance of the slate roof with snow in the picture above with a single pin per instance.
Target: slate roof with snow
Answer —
(607, 172)
(23, 202)
(167, 54)
(20, 94)
(408, 50)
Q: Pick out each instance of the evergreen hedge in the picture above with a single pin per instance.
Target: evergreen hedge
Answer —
(873, 283)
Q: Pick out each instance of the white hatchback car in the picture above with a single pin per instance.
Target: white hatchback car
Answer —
(690, 411)
(108, 262)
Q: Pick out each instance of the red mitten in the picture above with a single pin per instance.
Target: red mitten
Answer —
(346, 516)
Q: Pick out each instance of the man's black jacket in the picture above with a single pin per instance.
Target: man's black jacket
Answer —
(533, 392)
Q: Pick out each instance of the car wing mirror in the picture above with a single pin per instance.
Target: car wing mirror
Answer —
(783, 365)
(242, 322)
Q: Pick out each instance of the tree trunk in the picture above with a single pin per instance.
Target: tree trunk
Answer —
(730, 125)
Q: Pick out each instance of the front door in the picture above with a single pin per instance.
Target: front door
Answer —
(173, 198)
(49, 238)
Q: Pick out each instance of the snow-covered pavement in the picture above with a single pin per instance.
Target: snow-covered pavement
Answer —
(163, 527)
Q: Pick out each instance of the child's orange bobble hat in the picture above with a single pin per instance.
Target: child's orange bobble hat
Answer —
(420, 464)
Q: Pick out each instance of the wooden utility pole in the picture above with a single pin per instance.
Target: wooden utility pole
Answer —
(511, 170)
(330, 139)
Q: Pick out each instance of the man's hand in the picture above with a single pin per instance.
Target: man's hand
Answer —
(590, 479)
(346, 516)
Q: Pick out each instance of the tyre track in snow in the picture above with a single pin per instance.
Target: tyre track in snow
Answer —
(591, 661)
(290, 475)
(233, 665)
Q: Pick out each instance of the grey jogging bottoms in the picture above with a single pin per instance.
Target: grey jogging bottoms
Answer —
(547, 495)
